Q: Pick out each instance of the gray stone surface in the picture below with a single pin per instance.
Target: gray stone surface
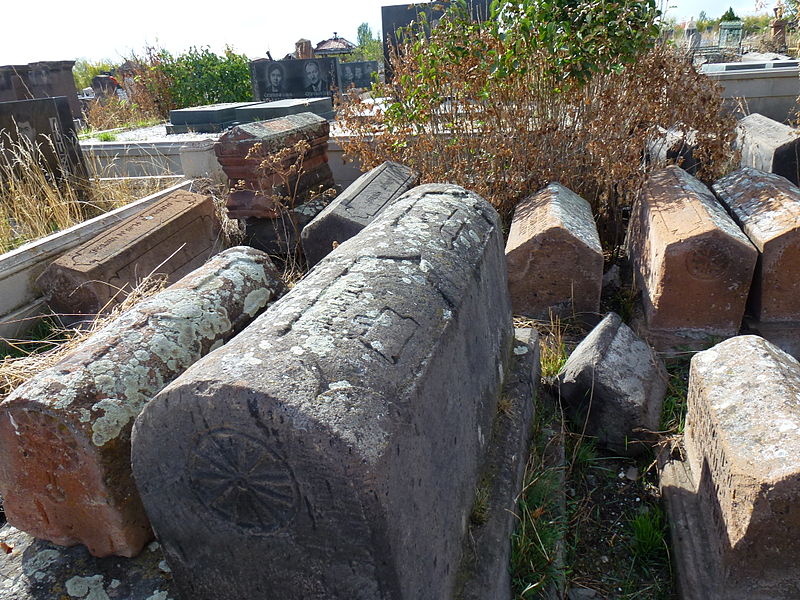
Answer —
(615, 383)
(332, 449)
(211, 113)
(743, 452)
(65, 471)
(769, 146)
(355, 208)
(487, 548)
(281, 108)
(33, 569)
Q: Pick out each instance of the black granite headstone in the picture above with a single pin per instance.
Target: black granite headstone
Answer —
(303, 78)
(46, 124)
(263, 111)
(357, 74)
(414, 15)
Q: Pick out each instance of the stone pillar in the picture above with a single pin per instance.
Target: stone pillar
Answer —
(767, 207)
(691, 261)
(555, 262)
(332, 449)
(65, 471)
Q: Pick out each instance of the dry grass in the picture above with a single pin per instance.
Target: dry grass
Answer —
(112, 112)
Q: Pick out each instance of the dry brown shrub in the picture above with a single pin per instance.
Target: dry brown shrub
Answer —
(112, 112)
(506, 137)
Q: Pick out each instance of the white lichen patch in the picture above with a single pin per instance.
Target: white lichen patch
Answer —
(158, 595)
(256, 300)
(86, 588)
(116, 415)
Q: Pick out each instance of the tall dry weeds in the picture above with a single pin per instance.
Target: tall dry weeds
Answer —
(451, 114)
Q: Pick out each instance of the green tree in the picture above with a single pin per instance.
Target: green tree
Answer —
(369, 47)
(84, 70)
(702, 16)
(729, 15)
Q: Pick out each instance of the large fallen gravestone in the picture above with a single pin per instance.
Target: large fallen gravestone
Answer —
(554, 257)
(355, 208)
(613, 385)
(65, 434)
(691, 261)
(44, 128)
(767, 207)
(769, 146)
(263, 111)
(298, 78)
(171, 238)
(242, 150)
(205, 119)
(734, 504)
(332, 449)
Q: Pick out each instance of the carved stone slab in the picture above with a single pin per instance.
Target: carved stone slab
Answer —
(743, 452)
(691, 261)
(172, 237)
(355, 208)
(332, 449)
(65, 434)
(769, 146)
(767, 207)
(555, 262)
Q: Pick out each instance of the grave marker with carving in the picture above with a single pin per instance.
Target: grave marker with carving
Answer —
(332, 449)
(65, 434)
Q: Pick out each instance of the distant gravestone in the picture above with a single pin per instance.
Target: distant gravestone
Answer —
(309, 456)
(691, 261)
(767, 207)
(263, 111)
(769, 146)
(613, 385)
(355, 208)
(45, 79)
(734, 503)
(170, 238)
(359, 74)
(65, 434)
(299, 78)
(554, 257)
(45, 124)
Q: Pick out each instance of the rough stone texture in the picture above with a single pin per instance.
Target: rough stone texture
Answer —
(487, 548)
(171, 238)
(555, 262)
(691, 261)
(274, 135)
(38, 570)
(675, 146)
(768, 145)
(355, 208)
(615, 383)
(280, 236)
(332, 449)
(741, 535)
(767, 208)
(65, 471)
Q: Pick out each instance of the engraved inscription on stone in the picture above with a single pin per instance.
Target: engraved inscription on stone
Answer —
(243, 481)
(707, 261)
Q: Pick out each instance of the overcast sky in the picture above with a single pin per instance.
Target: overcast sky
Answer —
(49, 30)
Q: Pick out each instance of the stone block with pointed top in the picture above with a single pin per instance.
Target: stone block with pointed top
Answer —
(355, 208)
(691, 261)
(332, 449)
(743, 462)
(769, 146)
(65, 472)
(767, 207)
(554, 257)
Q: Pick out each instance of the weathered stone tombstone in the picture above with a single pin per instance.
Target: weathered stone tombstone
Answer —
(172, 237)
(355, 208)
(65, 434)
(44, 127)
(767, 208)
(613, 385)
(734, 504)
(44, 79)
(312, 463)
(554, 257)
(769, 146)
(691, 261)
(299, 78)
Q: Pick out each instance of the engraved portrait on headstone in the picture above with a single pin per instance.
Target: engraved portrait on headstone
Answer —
(276, 79)
(295, 78)
(314, 80)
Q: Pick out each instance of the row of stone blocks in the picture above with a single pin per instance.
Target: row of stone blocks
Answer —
(332, 449)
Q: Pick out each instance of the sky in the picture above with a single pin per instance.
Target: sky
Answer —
(94, 30)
